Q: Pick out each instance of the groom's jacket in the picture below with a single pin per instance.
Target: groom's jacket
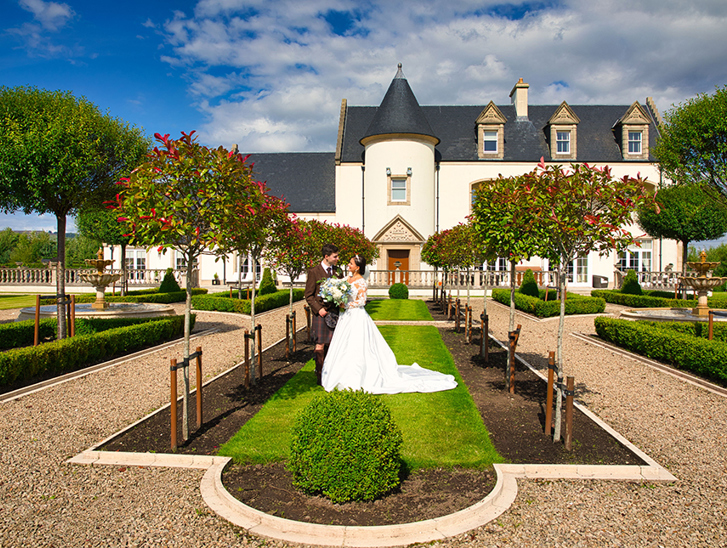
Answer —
(312, 286)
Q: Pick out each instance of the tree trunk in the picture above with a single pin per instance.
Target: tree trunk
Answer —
(468, 287)
(512, 296)
(124, 272)
(187, 334)
(685, 257)
(559, 353)
(239, 276)
(253, 360)
(61, 277)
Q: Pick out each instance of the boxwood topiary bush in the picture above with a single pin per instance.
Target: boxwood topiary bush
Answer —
(398, 291)
(223, 303)
(20, 364)
(631, 284)
(346, 446)
(705, 358)
(529, 286)
(169, 283)
(267, 284)
(574, 304)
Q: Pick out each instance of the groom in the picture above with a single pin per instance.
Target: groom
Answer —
(320, 333)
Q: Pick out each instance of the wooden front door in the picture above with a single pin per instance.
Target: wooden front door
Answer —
(398, 260)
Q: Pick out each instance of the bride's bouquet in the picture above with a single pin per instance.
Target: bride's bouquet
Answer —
(336, 293)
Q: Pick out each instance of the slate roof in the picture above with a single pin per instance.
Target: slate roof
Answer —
(399, 112)
(525, 141)
(304, 179)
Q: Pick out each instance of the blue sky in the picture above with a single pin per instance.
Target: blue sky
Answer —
(270, 74)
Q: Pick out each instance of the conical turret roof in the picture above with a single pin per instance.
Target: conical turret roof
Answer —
(399, 112)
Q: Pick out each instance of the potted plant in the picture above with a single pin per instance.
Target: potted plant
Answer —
(216, 279)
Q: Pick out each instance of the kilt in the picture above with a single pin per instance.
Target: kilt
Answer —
(320, 333)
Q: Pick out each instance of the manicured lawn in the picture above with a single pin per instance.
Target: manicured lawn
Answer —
(440, 429)
(16, 301)
(398, 309)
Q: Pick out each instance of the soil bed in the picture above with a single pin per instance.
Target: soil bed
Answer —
(515, 422)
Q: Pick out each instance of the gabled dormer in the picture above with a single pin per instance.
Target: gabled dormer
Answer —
(634, 130)
(563, 133)
(491, 133)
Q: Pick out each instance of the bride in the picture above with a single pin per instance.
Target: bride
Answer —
(359, 357)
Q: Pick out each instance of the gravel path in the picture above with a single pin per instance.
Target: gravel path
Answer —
(44, 502)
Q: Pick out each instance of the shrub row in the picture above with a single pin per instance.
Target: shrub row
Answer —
(18, 334)
(223, 303)
(705, 358)
(651, 301)
(694, 329)
(574, 304)
(58, 357)
(155, 297)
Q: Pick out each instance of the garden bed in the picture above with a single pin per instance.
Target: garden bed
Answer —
(515, 424)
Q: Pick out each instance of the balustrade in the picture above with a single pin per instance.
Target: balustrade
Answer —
(47, 276)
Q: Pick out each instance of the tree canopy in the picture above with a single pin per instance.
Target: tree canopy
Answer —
(692, 146)
(57, 152)
(688, 213)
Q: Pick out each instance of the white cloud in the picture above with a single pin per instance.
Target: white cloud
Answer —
(270, 75)
(51, 15)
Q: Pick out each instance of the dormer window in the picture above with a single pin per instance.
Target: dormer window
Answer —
(562, 140)
(489, 140)
(491, 133)
(563, 133)
(635, 142)
(634, 133)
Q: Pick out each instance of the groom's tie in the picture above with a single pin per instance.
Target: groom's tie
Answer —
(330, 271)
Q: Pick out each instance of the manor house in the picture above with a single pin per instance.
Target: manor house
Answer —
(401, 172)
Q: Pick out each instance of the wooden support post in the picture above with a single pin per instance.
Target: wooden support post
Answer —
(549, 396)
(306, 308)
(449, 307)
(287, 337)
(456, 316)
(173, 402)
(246, 335)
(469, 325)
(485, 341)
(295, 332)
(259, 329)
(569, 393)
(711, 325)
(199, 388)
(36, 339)
(67, 308)
(73, 315)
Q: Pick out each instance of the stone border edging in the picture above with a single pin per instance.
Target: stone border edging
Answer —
(493, 505)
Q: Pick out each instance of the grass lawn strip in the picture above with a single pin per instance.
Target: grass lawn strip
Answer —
(16, 301)
(398, 309)
(439, 429)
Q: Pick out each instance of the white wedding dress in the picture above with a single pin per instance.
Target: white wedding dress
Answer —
(359, 357)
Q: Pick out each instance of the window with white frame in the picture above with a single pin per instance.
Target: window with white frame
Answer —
(562, 139)
(636, 258)
(398, 189)
(578, 270)
(489, 141)
(635, 142)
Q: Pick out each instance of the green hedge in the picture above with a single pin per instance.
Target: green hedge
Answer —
(694, 329)
(140, 297)
(574, 304)
(19, 334)
(650, 301)
(664, 343)
(223, 303)
(66, 355)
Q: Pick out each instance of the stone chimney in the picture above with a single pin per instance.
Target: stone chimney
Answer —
(519, 98)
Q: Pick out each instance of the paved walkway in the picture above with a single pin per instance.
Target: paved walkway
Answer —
(46, 502)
